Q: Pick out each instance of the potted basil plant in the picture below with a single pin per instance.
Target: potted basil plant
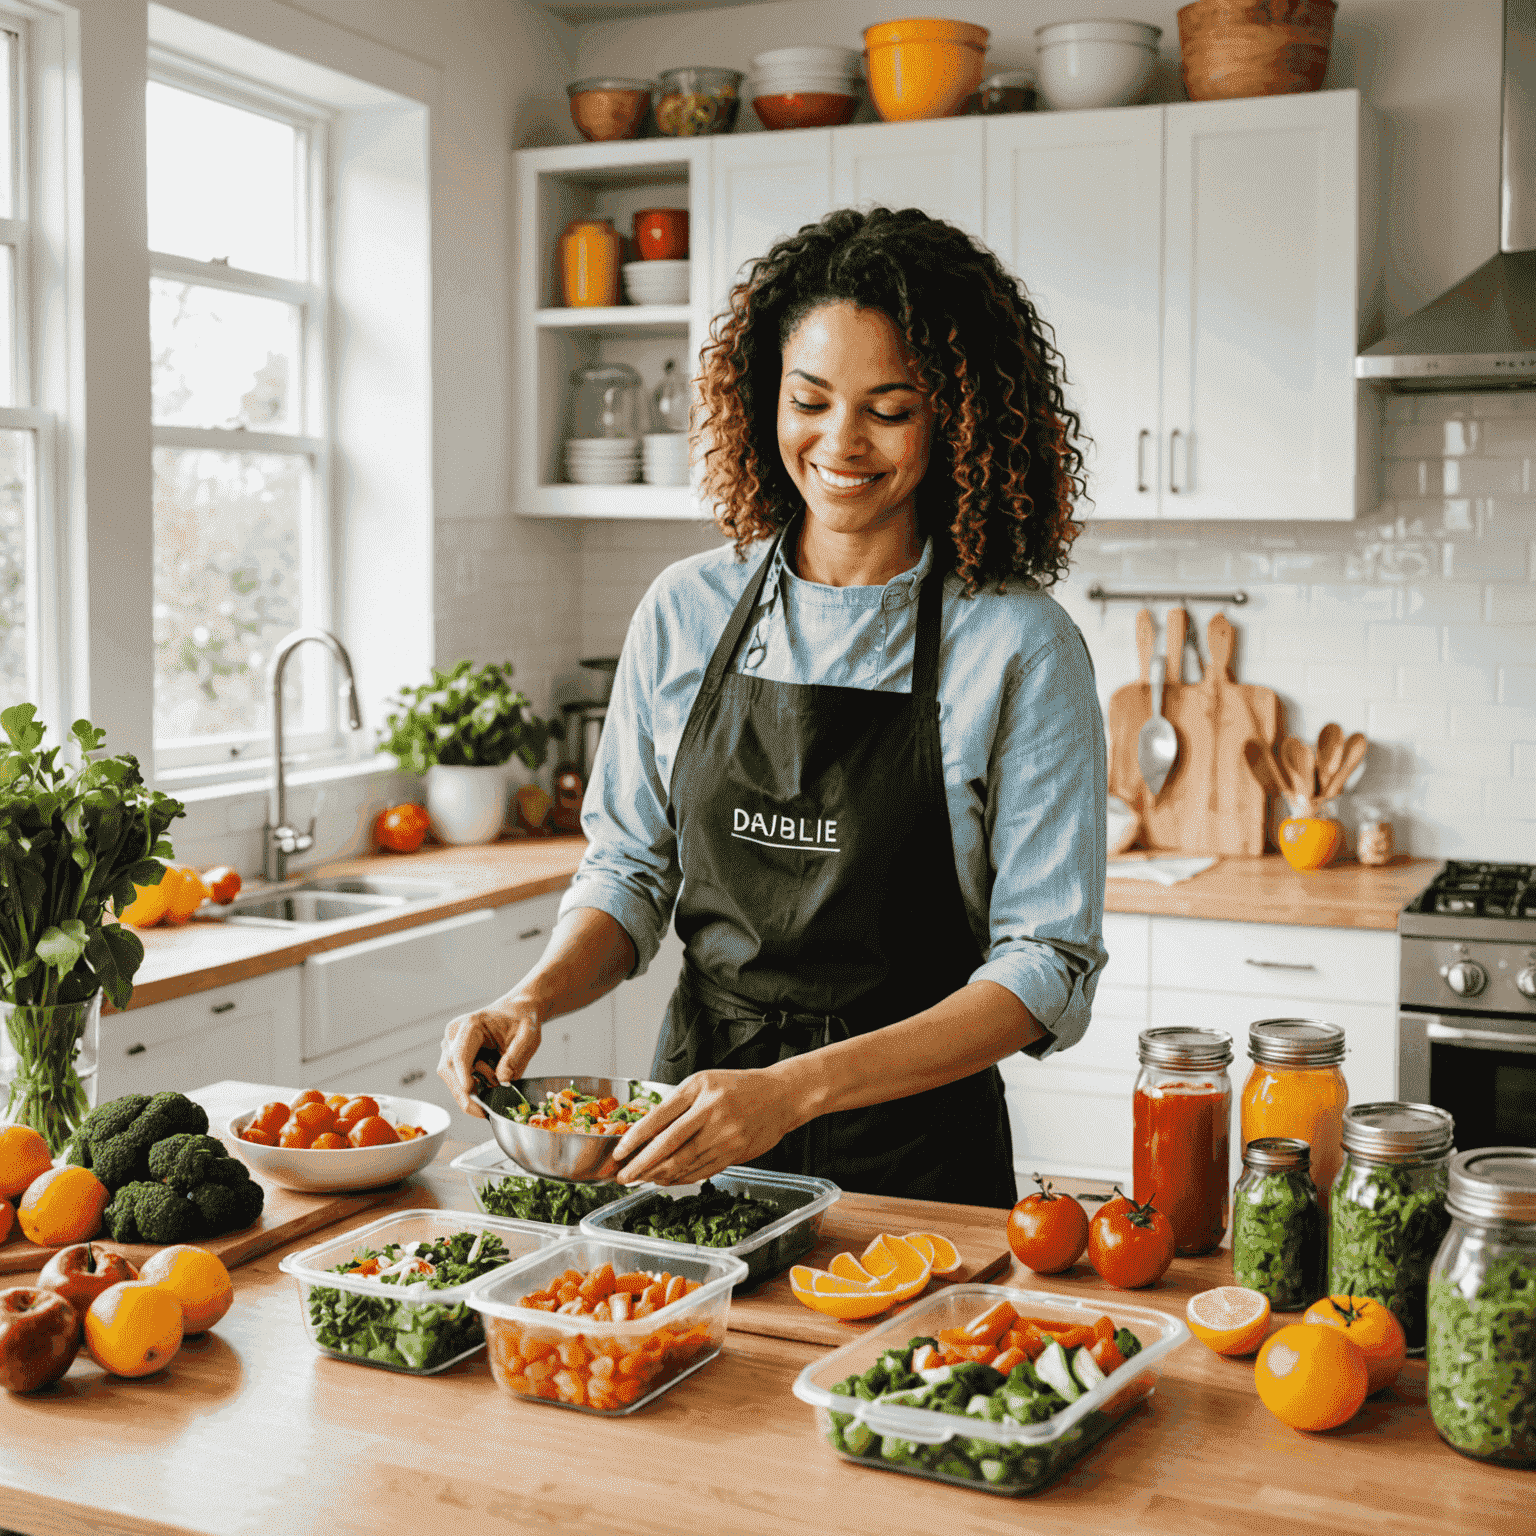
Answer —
(73, 841)
(460, 731)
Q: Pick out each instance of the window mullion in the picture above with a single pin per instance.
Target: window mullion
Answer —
(219, 274)
(237, 440)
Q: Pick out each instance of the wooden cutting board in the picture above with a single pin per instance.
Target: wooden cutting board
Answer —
(1210, 802)
(978, 1232)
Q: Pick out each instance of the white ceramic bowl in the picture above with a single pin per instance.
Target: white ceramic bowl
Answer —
(802, 83)
(1086, 64)
(581, 474)
(818, 60)
(348, 1167)
(601, 447)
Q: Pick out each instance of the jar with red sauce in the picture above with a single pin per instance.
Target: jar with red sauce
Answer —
(1183, 1113)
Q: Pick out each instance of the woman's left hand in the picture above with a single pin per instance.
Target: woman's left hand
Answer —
(712, 1120)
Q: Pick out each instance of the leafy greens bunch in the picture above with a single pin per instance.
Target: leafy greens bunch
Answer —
(470, 717)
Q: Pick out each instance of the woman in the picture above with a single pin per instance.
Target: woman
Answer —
(862, 752)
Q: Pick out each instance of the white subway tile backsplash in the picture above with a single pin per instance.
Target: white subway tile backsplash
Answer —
(1523, 760)
(1431, 439)
(1416, 722)
(1493, 722)
(1509, 437)
(1486, 646)
(1517, 685)
(1512, 798)
(1442, 602)
(1304, 642)
(1471, 685)
(1360, 604)
(1515, 605)
(1346, 680)
(1411, 643)
(1488, 758)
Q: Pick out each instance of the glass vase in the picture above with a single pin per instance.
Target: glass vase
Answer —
(48, 1062)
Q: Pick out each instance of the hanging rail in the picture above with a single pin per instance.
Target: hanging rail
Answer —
(1098, 594)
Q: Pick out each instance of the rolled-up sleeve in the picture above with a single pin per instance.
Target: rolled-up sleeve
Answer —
(1045, 827)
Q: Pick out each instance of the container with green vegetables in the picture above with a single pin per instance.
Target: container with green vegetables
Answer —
(1277, 1229)
(501, 1188)
(394, 1293)
(1388, 1214)
(1482, 1309)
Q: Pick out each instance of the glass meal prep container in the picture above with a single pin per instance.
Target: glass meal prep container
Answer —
(968, 1450)
(556, 1357)
(802, 1198)
(502, 1188)
(415, 1329)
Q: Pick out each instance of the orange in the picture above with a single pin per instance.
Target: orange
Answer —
(1311, 1377)
(939, 1251)
(63, 1205)
(149, 905)
(1372, 1328)
(7, 1216)
(372, 1131)
(846, 1267)
(186, 894)
(23, 1155)
(197, 1280)
(133, 1328)
(836, 1297)
(1230, 1319)
(1309, 842)
(898, 1264)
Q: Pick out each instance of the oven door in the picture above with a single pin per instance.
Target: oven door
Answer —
(1481, 1070)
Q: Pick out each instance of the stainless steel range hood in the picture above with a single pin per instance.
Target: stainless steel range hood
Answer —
(1481, 334)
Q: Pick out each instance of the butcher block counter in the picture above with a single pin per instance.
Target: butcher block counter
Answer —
(250, 1429)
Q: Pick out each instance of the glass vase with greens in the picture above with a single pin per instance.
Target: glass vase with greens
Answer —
(471, 717)
(74, 841)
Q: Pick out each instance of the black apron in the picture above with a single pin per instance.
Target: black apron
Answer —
(820, 901)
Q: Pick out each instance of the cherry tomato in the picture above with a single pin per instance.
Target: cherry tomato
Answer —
(1047, 1231)
(309, 1096)
(374, 1131)
(336, 1100)
(327, 1141)
(401, 829)
(354, 1110)
(293, 1135)
(260, 1137)
(270, 1118)
(315, 1118)
(1130, 1245)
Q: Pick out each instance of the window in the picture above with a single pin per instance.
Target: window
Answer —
(242, 538)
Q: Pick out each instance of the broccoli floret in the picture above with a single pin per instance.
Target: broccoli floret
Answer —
(109, 1119)
(118, 1136)
(228, 1207)
(186, 1160)
(172, 1114)
(77, 1150)
(124, 1159)
(143, 1212)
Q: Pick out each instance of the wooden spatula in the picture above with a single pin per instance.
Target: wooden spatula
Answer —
(1300, 767)
(1330, 753)
(1354, 755)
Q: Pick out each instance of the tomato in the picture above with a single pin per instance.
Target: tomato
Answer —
(327, 1141)
(223, 884)
(354, 1110)
(260, 1137)
(315, 1118)
(1372, 1328)
(1047, 1231)
(293, 1135)
(1310, 1377)
(270, 1118)
(336, 1100)
(309, 1096)
(401, 829)
(1130, 1245)
(372, 1132)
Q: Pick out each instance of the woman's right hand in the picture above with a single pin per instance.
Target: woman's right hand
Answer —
(510, 1027)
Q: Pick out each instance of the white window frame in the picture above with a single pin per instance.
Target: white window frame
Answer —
(238, 754)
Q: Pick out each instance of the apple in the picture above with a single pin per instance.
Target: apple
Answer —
(40, 1336)
(81, 1272)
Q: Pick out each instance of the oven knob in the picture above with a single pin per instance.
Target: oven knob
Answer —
(1466, 978)
(1525, 982)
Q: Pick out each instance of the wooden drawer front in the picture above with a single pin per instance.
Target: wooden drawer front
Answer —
(1127, 937)
(410, 1073)
(1265, 960)
(242, 1047)
(358, 993)
(1078, 1122)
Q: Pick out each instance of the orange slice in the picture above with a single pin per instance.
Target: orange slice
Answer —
(942, 1253)
(836, 1297)
(847, 1267)
(898, 1265)
(1231, 1319)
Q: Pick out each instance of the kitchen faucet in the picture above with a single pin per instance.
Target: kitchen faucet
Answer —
(278, 839)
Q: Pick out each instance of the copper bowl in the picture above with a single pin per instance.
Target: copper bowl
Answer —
(607, 108)
(1230, 48)
(805, 109)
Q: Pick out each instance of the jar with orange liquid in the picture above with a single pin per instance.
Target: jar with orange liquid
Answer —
(1182, 1107)
(1295, 1088)
(590, 252)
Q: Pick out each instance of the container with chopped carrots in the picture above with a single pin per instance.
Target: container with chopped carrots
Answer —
(605, 1327)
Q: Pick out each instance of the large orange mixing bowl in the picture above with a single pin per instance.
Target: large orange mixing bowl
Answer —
(923, 67)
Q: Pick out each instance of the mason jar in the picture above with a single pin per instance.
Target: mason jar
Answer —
(1182, 1111)
(1295, 1088)
(1387, 1215)
(1482, 1309)
(1277, 1227)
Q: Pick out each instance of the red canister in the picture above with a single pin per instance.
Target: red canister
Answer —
(661, 234)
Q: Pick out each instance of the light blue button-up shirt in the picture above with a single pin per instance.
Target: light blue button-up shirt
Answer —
(1019, 721)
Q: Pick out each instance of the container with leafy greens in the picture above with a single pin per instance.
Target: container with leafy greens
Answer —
(501, 1188)
(1277, 1230)
(767, 1219)
(1482, 1309)
(394, 1293)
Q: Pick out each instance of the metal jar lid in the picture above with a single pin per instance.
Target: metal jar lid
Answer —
(1295, 1043)
(1184, 1048)
(1493, 1184)
(1391, 1132)
(1278, 1154)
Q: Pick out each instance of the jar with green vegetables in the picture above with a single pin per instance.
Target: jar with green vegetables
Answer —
(1482, 1309)
(1388, 1209)
(1277, 1228)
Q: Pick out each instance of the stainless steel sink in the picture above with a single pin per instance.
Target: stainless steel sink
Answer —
(324, 900)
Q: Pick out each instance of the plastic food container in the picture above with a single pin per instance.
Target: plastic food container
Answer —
(402, 1324)
(694, 1327)
(770, 1250)
(488, 1168)
(1032, 1453)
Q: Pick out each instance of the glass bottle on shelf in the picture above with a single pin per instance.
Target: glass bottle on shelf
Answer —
(669, 402)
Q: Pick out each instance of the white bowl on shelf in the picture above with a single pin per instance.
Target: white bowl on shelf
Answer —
(580, 474)
(656, 282)
(810, 60)
(1087, 64)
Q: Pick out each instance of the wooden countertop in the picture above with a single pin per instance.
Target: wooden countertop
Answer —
(1268, 890)
(251, 1429)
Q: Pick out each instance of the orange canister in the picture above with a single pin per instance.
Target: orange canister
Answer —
(1295, 1088)
(589, 263)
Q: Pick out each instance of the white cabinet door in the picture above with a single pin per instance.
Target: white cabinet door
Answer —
(1261, 247)
(766, 185)
(935, 166)
(1074, 209)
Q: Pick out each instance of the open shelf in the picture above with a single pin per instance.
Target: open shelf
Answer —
(633, 319)
(670, 502)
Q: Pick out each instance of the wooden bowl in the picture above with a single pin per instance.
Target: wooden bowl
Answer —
(1230, 48)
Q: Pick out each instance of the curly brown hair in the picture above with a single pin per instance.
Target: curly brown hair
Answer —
(1006, 466)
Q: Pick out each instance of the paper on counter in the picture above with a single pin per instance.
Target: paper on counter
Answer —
(1162, 871)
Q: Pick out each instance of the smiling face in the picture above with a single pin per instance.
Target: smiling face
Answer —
(854, 427)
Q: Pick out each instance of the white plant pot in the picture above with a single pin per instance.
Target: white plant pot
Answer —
(466, 805)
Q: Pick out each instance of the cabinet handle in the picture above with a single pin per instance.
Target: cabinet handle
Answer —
(530, 933)
(1141, 472)
(135, 1050)
(1173, 477)
(415, 1075)
(1481, 1039)
(221, 1007)
(1282, 965)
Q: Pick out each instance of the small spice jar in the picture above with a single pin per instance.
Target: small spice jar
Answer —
(1295, 1088)
(1481, 1353)
(1387, 1215)
(1373, 837)
(1277, 1227)
(1182, 1109)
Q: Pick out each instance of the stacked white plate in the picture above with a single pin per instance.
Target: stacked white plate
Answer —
(806, 71)
(656, 282)
(601, 460)
(664, 458)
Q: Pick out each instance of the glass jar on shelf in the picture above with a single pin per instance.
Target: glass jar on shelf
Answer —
(1481, 1351)
(1295, 1088)
(603, 445)
(1387, 1213)
(1374, 843)
(590, 256)
(1277, 1227)
(669, 401)
(1182, 1110)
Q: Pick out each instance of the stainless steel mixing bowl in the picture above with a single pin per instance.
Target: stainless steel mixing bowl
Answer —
(564, 1154)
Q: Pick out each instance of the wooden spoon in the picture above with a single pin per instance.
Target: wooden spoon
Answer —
(1262, 765)
(1354, 755)
(1301, 767)
(1178, 624)
(1330, 753)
